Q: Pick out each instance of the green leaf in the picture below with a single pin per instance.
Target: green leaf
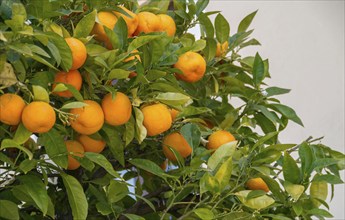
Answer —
(307, 158)
(206, 23)
(263, 139)
(294, 190)
(221, 154)
(244, 24)
(173, 99)
(210, 49)
(274, 187)
(287, 112)
(200, 6)
(209, 183)
(85, 25)
(55, 147)
(320, 212)
(192, 134)
(116, 191)
(130, 131)
(257, 203)
(8, 210)
(149, 166)
(142, 40)
(103, 162)
(40, 94)
(115, 143)
(329, 178)
(72, 105)
(64, 50)
(222, 28)
(8, 143)
(223, 174)
(140, 130)
(134, 217)
(204, 213)
(121, 31)
(272, 91)
(318, 191)
(27, 165)
(76, 196)
(290, 170)
(7, 76)
(22, 134)
(36, 189)
(258, 70)
(118, 74)
(266, 157)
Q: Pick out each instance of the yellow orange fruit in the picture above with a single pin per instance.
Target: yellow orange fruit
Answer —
(148, 22)
(89, 119)
(118, 110)
(219, 138)
(167, 24)
(74, 148)
(11, 108)
(72, 78)
(79, 53)
(192, 65)
(90, 144)
(178, 143)
(174, 114)
(107, 19)
(38, 117)
(221, 49)
(257, 184)
(157, 119)
(131, 21)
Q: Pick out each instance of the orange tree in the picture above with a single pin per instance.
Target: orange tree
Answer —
(96, 94)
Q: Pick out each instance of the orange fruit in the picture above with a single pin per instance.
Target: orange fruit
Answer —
(148, 22)
(118, 110)
(132, 75)
(89, 119)
(90, 144)
(157, 119)
(74, 148)
(257, 184)
(167, 24)
(38, 117)
(11, 108)
(219, 138)
(221, 49)
(192, 65)
(164, 165)
(107, 19)
(174, 114)
(177, 142)
(131, 21)
(78, 50)
(72, 78)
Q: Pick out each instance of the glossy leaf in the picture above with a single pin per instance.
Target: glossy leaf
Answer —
(222, 28)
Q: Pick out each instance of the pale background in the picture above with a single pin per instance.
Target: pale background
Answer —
(304, 41)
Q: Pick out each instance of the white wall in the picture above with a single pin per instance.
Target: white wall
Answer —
(304, 41)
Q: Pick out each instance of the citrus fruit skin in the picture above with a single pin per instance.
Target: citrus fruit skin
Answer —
(192, 65)
(257, 184)
(38, 117)
(174, 114)
(79, 53)
(219, 138)
(167, 24)
(148, 22)
(157, 119)
(131, 21)
(72, 78)
(89, 119)
(177, 142)
(11, 108)
(91, 145)
(107, 19)
(116, 111)
(221, 49)
(77, 150)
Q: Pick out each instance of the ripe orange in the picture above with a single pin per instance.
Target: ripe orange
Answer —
(219, 138)
(131, 21)
(157, 119)
(11, 108)
(90, 144)
(38, 117)
(164, 165)
(177, 142)
(174, 114)
(221, 49)
(116, 111)
(89, 119)
(167, 24)
(72, 78)
(257, 184)
(78, 50)
(74, 148)
(148, 22)
(107, 19)
(132, 75)
(192, 65)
